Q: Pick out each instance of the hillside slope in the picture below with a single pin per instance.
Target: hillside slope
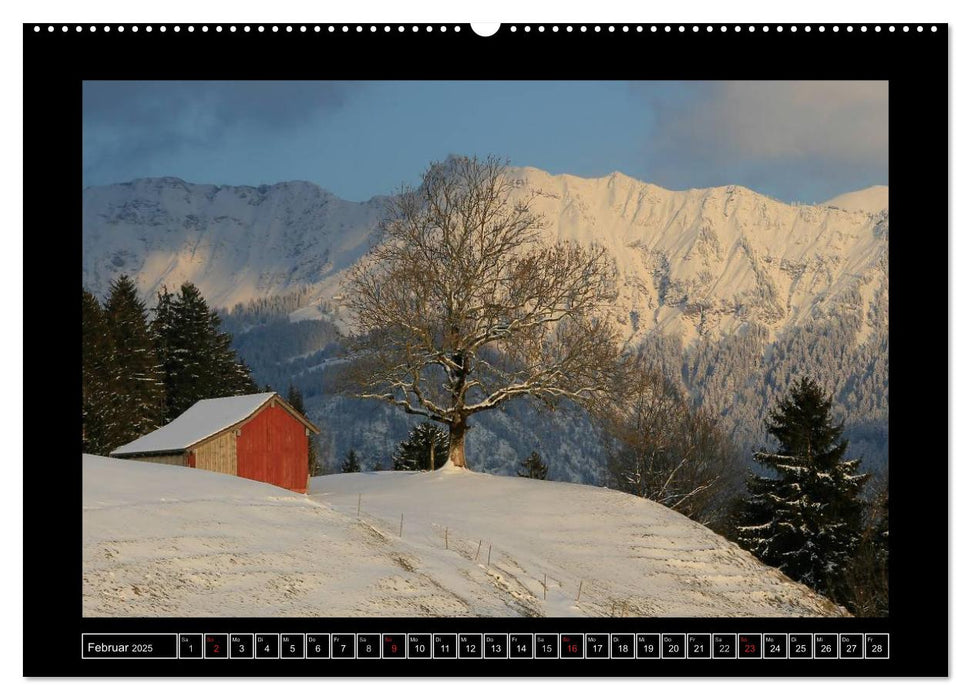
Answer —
(162, 540)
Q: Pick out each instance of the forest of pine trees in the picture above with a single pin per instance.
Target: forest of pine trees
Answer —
(139, 374)
(196, 359)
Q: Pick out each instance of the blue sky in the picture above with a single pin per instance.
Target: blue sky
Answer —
(797, 141)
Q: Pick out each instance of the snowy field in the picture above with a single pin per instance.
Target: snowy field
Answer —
(163, 540)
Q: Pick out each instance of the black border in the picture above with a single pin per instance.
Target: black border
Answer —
(915, 63)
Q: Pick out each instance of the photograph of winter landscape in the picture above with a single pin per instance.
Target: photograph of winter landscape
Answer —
(485, 349)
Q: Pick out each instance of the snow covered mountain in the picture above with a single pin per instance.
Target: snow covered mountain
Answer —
(235, 243)
(211, 544)
(693, 263)
(708, 262)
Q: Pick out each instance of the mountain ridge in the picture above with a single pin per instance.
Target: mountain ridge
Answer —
(691, 261)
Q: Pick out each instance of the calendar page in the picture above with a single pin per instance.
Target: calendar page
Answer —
(529, 349)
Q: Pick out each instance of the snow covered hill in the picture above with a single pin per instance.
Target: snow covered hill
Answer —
(162, 540)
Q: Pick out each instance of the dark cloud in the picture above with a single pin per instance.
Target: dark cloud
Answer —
(132, 122)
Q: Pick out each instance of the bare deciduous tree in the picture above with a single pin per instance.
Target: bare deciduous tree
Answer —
(661, 448)
(463, 304)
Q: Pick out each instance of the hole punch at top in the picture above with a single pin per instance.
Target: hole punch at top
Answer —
(485, 28)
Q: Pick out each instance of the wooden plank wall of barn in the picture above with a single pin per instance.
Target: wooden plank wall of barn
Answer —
(218, 454)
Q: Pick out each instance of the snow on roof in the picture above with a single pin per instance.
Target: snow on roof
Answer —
(203, 419)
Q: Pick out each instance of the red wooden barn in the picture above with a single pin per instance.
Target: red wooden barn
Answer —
(257, 436)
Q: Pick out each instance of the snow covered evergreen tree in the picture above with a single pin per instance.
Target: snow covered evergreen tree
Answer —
(99, 372)
(139, 393)
(807, 518)
(533, 468)
(196, 358)
(425, 445)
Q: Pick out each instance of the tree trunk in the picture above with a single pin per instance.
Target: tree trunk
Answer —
(456, 442)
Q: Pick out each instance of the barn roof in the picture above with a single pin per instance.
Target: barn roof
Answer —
(204, 419)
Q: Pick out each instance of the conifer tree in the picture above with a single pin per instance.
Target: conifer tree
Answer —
(532, 467)
(351, 463)
(806, 518)
(197, 359)
(99, 371)
(295, 399)
(426, 446)
(164, 330)
(139, 391)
